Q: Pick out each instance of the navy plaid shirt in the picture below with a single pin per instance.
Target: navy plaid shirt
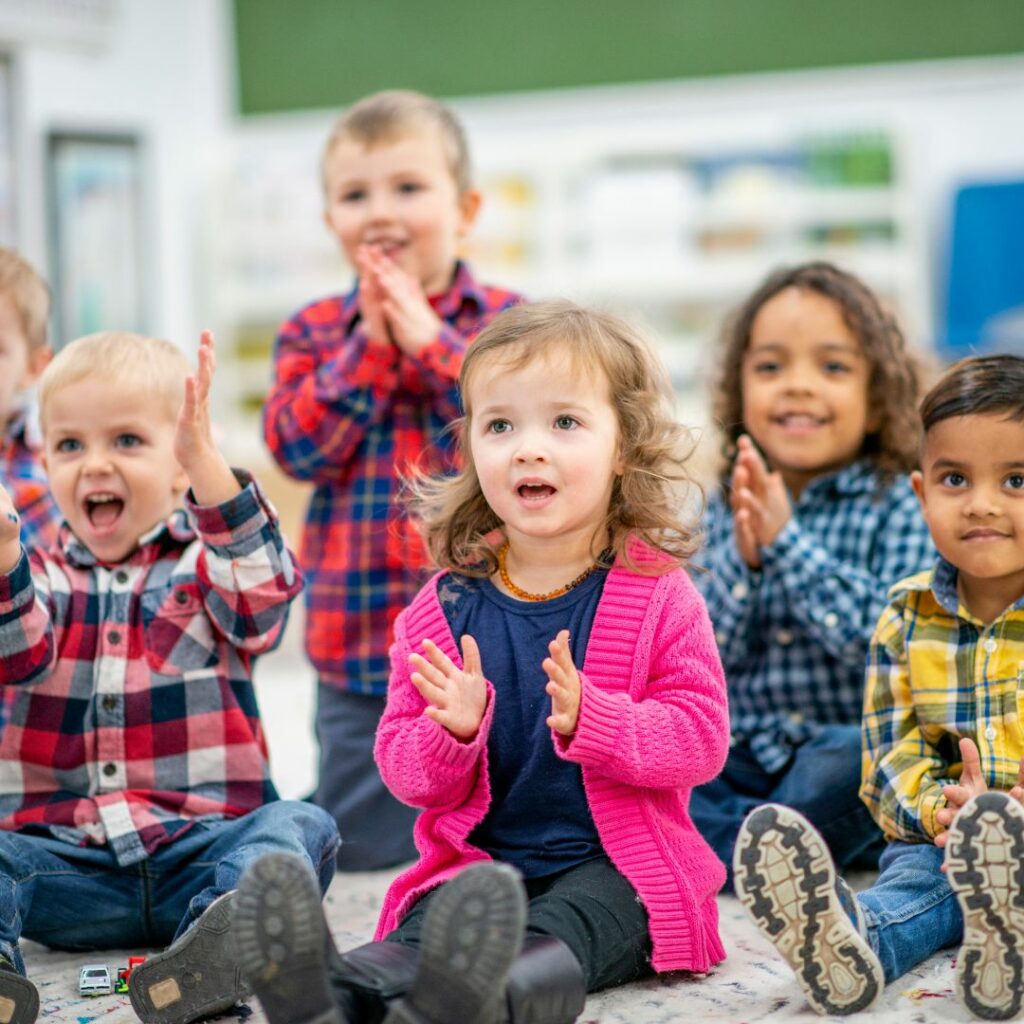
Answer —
(794, 636)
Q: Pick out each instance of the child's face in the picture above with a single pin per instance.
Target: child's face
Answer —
(971, 489)
(110, 458)
(20, 364)
(804, 380)
(545, 442)
(399, 197)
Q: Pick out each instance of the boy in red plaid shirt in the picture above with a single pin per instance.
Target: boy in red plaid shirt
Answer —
(134, 786)
(24, 353)
(364, 388)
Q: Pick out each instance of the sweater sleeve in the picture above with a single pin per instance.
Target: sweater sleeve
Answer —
(422, 763)
(675, 733)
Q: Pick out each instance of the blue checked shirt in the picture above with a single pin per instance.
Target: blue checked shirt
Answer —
(794, 635)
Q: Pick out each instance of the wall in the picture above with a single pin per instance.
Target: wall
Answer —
(163, 71)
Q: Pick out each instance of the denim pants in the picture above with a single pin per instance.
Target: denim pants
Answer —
(910, 911)
(78, 897)
(821, 782)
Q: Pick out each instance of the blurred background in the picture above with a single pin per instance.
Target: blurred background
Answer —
(159, 162)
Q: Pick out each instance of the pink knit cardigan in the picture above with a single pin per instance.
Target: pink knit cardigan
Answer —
(653, 723)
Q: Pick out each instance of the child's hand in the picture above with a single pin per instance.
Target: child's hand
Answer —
(563, 686)
(456, 698)
(371, 296)
(211, 478)
(759, 502)
(971, 783)
(410, 317)
(10, 532)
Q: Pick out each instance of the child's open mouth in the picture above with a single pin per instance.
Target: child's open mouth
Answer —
(535, 492)
(103, 510)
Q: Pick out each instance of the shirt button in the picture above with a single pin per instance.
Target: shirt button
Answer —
(180, 596)
(796, 718)
(720, 638)
(121, 576)
(784, 637)
(990, 733)
(109, 769)
(109, 702)
(831, 620)
(739, 590)
(114, 636)
(990, 645)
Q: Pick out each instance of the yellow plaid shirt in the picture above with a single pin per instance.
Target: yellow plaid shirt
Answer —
(936, 674)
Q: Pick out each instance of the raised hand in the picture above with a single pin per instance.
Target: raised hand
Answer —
(759, 500)
(563, 686)
(209, 474)
(10, 532)
(371, 296)
(456, 698)
(410, 318)
(972, 782)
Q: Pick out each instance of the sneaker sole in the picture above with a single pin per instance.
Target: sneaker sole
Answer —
(19, 999)
(472, 932)
(786, 880)
(279, 934)
(985, 867)
(195, 977)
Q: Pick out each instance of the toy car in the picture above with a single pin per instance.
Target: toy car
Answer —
(124, 973)
(94, 980)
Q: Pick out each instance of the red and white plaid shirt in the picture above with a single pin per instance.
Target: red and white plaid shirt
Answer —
(135, 712)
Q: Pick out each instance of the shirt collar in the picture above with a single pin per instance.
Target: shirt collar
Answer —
(858, 477)
(177, 527)
(463, 290)
(942, 582)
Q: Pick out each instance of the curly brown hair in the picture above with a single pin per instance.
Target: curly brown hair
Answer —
(894, 383)
(649, 500)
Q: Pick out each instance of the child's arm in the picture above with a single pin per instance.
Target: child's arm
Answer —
(245, 575)
(27, 647)
(326, 395)
(421, 761)
(903, 773)
(677, 733)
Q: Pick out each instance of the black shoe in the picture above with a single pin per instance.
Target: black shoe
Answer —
(472, 932)
(786, 879)
(985, 866)
(19, 998)
(283, 942)
(196, 976)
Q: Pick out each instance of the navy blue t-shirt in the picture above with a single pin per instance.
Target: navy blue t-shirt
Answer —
(539, 820)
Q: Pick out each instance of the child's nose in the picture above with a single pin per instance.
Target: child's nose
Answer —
(97, 462)
(982, 501)
(531, 449)
(380, 205)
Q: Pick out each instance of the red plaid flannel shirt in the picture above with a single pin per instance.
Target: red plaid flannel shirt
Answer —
(24, 478)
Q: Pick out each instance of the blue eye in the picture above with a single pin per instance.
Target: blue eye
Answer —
(836, 368)
(567, 422)
(128, 440)
(68, 444)
(499, 427)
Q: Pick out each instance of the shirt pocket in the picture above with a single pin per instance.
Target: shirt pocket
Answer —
(179, 636)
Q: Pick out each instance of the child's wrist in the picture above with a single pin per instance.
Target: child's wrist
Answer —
(10, 555)
(212, 480)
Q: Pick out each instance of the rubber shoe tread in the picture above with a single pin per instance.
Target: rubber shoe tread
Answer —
(19, 998)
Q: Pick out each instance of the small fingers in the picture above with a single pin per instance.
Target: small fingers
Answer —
(471, 656)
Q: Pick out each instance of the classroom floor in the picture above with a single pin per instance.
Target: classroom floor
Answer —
(752, 985)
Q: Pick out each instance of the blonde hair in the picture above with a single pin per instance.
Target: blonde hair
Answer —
(646, 500)
(390, 115)
(123, 360)
(29, 293)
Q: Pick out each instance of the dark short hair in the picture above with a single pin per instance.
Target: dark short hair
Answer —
(977, 386)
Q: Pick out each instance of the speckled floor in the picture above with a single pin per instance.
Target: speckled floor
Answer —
(753, 984)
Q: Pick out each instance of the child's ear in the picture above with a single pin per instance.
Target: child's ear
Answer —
(469, 209)
(38, 360)
(917, 482)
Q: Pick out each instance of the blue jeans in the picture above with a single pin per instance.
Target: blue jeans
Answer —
(911, 911)
(821, 782)
(78, 897)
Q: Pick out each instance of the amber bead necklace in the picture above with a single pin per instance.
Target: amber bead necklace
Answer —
(525, 595)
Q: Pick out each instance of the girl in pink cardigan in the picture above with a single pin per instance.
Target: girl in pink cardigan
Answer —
(555, 695)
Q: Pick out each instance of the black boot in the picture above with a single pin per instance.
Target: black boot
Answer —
(545, 984)
(472, 933)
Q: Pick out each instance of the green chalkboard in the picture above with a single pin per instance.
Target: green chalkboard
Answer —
(303, 54)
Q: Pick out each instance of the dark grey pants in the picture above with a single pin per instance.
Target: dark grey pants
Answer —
(376, 829)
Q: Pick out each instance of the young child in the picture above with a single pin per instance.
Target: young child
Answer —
(24, 353)
(134, 786)
(817, 394)
(555, 694)
(943, 744)
(364, 389)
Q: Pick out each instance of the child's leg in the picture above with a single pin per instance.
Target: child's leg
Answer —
(192, 885)
(376, 828)
(985, 864)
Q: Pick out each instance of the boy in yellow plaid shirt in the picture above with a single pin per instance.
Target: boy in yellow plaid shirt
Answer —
(943, 765)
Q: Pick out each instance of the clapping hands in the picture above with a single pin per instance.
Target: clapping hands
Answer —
(10, 532)
(392, 303)
(759, 500)
(456, 698)
(563, 686)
